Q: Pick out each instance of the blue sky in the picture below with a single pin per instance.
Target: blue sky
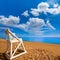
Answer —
(30, 18)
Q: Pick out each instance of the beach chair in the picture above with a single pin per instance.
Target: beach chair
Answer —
(11, 51)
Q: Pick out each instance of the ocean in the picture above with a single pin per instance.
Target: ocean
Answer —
(51, 40)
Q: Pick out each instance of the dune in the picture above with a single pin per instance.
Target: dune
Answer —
(35, 51)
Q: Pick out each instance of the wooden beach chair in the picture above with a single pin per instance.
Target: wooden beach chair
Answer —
(12, 50)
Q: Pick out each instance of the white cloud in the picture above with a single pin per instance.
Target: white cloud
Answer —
(45, 7)
(55, 5)
(53, 11)
(9, 21)
(34, 12)
(35, 26)
(21, 26)
(25, 13)
(36, 22)
(49, 25)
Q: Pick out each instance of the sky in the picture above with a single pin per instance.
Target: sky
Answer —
(30, 18)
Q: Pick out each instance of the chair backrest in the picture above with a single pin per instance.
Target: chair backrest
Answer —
(7, 32)
(11, 35)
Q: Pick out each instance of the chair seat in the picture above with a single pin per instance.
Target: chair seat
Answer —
(15, 40)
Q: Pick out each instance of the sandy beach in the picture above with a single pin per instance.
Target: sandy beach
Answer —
(35, 51)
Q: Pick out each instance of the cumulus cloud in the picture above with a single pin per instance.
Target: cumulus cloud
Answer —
(54, 11)
(55, 5)
(9, 21)
(35, 12)
(36, 22)
(21, 26)
(26, 14)
(45, 7)
(35, 26)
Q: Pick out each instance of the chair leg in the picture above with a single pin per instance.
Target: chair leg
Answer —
(11, 52)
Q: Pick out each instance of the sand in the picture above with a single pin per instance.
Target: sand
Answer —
(35, 51)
